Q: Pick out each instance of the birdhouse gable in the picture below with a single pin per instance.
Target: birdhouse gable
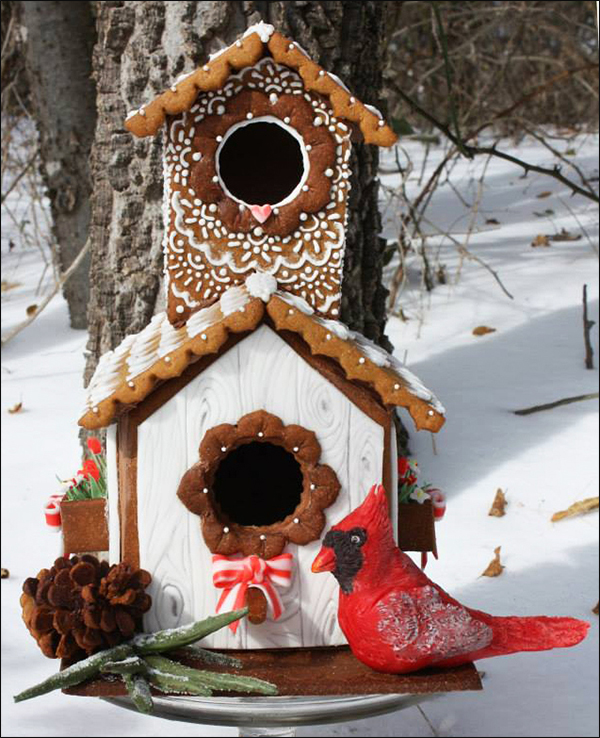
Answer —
(256, 168)
(258, 41)
(162, 353)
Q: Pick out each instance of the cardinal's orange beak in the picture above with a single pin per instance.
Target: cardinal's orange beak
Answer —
(325, 560)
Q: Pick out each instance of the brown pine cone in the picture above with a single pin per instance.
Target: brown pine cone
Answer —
(81, 605)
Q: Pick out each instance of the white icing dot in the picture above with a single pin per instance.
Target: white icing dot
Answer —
(260, 434)
(352, 100)
(179, 309)
(167, 359)
(206, 67)
(95, 410)
(263, 537)
(329, 172)
(381, 123)
(204, 337)
(290, 311)
(238, 44)
(328, 336)
(321, 73)
(205, 490)
(219, 138)
(142, 112)
(256, 250)
(296, 449)
(131, 384)
(212, 207)
(196, 156)
(276, 211)
(258, 231)
(215, 178)
(223, 448)
(303, 216)
(430, 412)
(291, 47)
(305, 188)
(361, 360)
(225, 529)
(296, 520)
(335, 311)
(249, 116)
(308, 147)
(312, 486)
(286, 119)
(396, 386)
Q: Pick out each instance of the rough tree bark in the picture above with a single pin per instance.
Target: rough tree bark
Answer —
(60, 39)
(142, 47)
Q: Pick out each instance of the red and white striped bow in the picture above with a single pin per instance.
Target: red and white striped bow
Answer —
(235, 575)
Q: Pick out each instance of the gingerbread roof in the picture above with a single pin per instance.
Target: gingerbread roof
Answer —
(258, 41)
(126, 376)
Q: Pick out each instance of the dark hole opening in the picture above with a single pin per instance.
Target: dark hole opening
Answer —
(258, 484)
(261, 163)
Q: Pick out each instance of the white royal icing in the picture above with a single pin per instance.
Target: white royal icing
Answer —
(261, 285)
(233, 300)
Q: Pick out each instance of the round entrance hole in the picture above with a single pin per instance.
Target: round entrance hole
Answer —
(261, 163)
(258, 484)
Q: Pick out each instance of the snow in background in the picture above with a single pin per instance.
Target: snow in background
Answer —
(544, 461)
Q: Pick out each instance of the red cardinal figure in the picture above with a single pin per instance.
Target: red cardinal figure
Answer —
(397, 620)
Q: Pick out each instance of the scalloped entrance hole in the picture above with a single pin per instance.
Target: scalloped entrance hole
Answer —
(258, 484)
(261, 163)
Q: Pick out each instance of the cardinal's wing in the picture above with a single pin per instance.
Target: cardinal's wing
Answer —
(418, 624)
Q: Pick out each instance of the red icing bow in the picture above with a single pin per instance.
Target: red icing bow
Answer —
(235, 575)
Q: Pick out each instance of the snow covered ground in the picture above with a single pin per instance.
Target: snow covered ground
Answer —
(543, 461)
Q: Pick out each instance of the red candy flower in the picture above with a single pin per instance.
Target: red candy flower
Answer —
(94, 445)
(90, 469)
(403, 466)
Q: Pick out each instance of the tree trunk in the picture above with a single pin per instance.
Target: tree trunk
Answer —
(142, 47)
(60, 38)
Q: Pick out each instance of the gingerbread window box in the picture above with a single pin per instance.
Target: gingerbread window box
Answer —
(256, 163)
(84, 526)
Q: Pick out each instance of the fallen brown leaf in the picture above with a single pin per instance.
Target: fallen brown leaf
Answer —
(494, 568)
(5, 573)
(481, 330)
(498, 505)
(577, 508)
(565, 236)
(31, 309)
(595, 608)
(5, 286)
(15, 408)
(545, 193)
(541, 240)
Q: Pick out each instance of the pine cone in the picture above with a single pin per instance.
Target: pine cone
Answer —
(81, 606)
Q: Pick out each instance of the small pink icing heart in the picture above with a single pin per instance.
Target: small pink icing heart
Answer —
(260, 212)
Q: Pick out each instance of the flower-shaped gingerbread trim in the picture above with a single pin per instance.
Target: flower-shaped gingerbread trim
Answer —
(320, 488)
(293, 111)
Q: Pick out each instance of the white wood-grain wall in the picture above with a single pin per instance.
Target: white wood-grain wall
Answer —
(260, 372)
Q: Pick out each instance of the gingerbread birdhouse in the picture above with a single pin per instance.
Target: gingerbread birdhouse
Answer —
(247, 418)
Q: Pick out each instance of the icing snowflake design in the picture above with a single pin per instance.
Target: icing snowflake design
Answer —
(204, 255)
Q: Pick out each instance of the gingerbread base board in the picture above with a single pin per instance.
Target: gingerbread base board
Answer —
(316, 671)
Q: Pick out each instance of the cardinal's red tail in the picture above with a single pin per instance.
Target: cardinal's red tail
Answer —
(513, 634)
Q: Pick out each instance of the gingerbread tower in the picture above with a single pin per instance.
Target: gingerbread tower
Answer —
(256, 169)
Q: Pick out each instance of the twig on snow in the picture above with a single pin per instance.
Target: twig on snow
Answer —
(557, 403)
(57, 286)
(587, 327)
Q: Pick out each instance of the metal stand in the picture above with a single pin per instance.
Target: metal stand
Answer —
(274, 716)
